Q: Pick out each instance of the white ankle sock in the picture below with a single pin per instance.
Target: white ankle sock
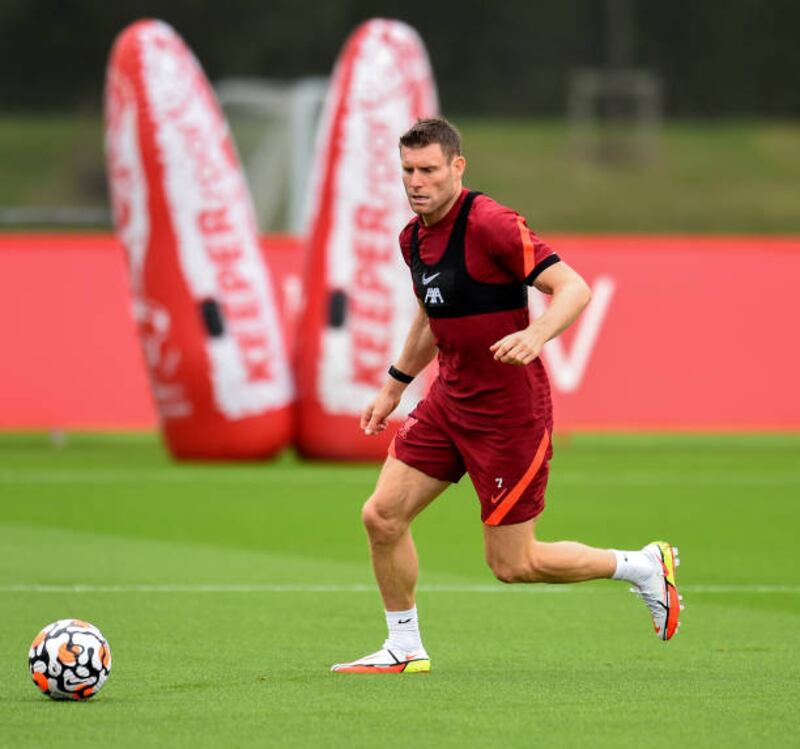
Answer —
(404, 630)
(633, 566)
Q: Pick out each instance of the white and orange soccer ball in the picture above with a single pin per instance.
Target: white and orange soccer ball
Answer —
(69, 660)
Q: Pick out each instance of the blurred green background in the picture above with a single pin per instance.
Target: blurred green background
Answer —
(712, 145)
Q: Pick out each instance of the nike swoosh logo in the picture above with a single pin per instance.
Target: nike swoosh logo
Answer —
(427, 279)
(497, 497)
(403, 621)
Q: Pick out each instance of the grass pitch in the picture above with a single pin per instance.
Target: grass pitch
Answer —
(227, 591)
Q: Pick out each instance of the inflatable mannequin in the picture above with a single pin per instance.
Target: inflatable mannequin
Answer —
(359, 298)
(203, 294)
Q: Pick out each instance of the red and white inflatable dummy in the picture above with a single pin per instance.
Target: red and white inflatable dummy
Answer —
(203, 295)
(360, 301)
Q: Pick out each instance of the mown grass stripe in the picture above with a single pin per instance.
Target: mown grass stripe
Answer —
(224, 477)
(365, 588)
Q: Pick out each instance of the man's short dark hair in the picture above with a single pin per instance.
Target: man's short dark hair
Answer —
(433, 130)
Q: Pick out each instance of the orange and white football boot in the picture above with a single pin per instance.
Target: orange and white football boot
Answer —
(388, 660)
(659, 592)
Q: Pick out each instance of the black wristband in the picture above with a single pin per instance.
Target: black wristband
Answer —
(400, 376)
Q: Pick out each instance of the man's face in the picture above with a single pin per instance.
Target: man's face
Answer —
(432, 183)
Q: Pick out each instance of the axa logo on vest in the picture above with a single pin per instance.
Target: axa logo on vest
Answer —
(433, 295)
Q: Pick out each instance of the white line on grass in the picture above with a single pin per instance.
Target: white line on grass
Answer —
(364, 588)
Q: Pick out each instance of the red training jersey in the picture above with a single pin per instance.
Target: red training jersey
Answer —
(498, 248)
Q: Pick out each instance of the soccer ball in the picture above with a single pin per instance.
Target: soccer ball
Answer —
(69, 660)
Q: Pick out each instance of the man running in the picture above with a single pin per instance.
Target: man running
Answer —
(489, 412)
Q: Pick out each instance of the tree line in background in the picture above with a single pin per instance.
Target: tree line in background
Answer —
(507, 57)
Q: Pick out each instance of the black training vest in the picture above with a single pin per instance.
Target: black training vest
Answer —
(447, 290)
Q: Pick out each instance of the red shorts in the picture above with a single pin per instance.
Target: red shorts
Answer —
(508, 465)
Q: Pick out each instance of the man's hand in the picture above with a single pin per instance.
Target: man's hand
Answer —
(519, 348)
(373, 419)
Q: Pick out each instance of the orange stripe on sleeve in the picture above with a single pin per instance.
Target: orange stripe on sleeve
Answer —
(513, 496)
(529, 259)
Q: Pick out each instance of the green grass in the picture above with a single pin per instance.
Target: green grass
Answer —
(728, 177)
(244, 660)
(54, 160)
(722, 178)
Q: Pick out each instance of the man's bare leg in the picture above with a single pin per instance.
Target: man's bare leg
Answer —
(515, 556)
(400, 495)
(402, 492)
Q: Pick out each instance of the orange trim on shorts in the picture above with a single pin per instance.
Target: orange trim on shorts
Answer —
(391, 449)
(513, 496)
(529, 258)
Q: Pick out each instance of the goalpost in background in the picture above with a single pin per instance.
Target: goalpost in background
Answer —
(615, 111)
(274, 126)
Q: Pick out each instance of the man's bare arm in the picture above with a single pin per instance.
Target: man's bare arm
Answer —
(418, 350)
(570, 295)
